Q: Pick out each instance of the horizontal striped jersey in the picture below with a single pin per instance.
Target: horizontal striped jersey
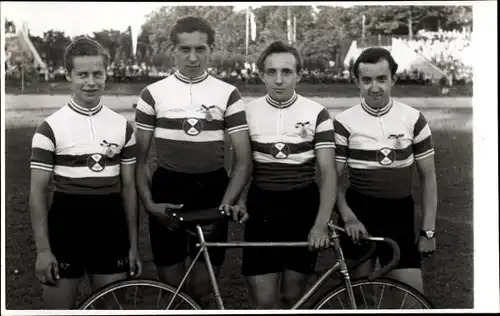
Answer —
(189, 118)
(380, 147)
(84, 149)
(284, 138)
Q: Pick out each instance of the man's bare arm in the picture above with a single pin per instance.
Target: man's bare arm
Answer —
(129, 196)
(328, 184)
(39, 208)
(427, 171)
(241, 166)
(143, 143)
(345, 211)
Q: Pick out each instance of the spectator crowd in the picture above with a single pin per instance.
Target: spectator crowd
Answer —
(448, 50)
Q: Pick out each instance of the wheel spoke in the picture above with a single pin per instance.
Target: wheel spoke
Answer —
(363, 295)
(404, 300)
(381, 295)
(116, 300)
(135, 296)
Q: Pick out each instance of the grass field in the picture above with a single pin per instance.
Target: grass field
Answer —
(448, 276)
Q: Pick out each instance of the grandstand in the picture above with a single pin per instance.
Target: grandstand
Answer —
(20, 50)
(435, 55)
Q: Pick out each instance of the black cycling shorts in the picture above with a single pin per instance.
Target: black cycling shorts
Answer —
(88, 233)
(280, 216)
(392, 218)
(195, 191)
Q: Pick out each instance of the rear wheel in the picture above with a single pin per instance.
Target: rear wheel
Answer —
(138, 294)
(382, 293)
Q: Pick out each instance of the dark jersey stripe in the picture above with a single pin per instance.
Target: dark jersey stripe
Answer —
(383, 183)
(326, 136)
(419, 125)
(190, 157)
(144, 118)
(341, 151)
(371, 155)
(147, 97)
(179, 124)
(423, 146)
(323, 115)
(233, 98)
(236, 119)
(82, 160)
(340, 129)
(42, 155)
(280, 177)
(45, 130)
(268, 148)
(94, 185)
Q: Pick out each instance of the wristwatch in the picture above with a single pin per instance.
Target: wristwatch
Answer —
(429, 234)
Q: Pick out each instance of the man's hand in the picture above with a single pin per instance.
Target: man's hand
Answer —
(238, 211)
(318, 237)
(135, 264)
(47, 268)
(354, 228)
(426, 246)
(161, 211)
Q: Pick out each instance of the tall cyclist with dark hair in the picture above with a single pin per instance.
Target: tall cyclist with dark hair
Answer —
(188, 114)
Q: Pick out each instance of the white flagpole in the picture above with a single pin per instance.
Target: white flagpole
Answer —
(247, 25)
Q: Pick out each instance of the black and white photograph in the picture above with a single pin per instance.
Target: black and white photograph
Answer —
(161, 157)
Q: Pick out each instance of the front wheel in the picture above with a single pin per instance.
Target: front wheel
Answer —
(140, 294)
(382, 293)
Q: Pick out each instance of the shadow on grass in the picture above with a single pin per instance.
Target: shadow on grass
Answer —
(448, 276)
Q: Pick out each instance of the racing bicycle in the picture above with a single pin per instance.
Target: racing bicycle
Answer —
(372, 292)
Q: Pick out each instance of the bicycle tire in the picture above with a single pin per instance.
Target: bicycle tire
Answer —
(118, 285)
(330, 295)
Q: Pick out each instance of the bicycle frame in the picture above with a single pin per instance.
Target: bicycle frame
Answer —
(340, 265)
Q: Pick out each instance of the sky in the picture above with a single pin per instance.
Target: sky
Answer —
(77, 18)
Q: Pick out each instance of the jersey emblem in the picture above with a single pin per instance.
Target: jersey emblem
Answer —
(96, 162)
(192, 126)
(110, 149)
(280, 150)
(386, 156)
(304, 129)
(206, 109)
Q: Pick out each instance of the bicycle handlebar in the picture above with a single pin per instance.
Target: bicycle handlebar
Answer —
(396, 252)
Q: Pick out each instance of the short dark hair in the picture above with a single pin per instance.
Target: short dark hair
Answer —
(373, 55)
(84, 46)
(280, 47)
(191, 24)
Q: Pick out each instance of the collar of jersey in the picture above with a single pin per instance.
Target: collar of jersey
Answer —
(377, 112)
(84, 111)
(284, 104)
(185, 79)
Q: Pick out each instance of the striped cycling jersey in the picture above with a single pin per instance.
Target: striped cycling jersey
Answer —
(84, 148)
(189, 117)
(285, 137)
(380, 147)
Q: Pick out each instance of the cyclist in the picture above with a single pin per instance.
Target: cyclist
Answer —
(381, 140)
(187, 113)
(290, 134)
(88, 150)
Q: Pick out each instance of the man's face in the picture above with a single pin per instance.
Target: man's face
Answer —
(87, 79)
(280, 75)
(192, 53)
(375, 83)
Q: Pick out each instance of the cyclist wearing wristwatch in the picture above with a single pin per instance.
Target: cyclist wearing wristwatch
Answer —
(381, 140)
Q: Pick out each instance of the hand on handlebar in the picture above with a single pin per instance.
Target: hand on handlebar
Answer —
(354, 228)
(238, 212)
(162, 212)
